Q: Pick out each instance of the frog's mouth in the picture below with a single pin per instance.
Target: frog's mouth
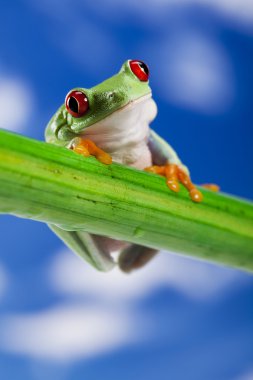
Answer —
(112, 114)
(131, 104)
(129, 120)
(135, 101)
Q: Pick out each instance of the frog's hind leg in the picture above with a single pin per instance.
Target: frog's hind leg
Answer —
(87, 247)
(135, 256)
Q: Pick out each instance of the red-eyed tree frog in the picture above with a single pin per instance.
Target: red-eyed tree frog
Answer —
(111, 122)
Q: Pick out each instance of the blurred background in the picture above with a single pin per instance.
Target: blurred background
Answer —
(177, 318)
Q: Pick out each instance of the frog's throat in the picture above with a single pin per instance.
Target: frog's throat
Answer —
(128, 105)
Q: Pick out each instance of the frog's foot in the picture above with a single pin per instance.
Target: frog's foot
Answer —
(211, 186)
(87, 147)
(134, 257)
(175, 175)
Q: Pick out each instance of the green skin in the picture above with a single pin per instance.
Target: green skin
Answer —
(105, 99)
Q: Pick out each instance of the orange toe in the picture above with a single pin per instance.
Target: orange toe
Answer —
(196, 195)
(104, 158)
(80, 149)
(173, 185)
(211, 186)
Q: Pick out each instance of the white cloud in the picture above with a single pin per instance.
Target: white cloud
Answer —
(241, 10)
(3, 281)
(194, 278)
(195, 72)
(100, 311)
(65, 333)
(246, 376)
(15, 103)
(238, 10)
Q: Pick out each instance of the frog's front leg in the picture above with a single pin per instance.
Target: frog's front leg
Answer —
(174, 174)
(87, 147)
(168, 164)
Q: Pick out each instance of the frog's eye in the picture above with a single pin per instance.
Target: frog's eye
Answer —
(76, 103)
(140, 69)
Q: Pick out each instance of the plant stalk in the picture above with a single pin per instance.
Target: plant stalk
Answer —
(55, 185)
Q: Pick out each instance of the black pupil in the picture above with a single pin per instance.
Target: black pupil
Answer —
(144, 67)
(73, 104)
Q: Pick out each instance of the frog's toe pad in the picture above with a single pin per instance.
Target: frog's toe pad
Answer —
(211, 186)
(196, 195)
(173, 185)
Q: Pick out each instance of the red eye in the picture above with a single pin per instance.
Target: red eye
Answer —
(140, 69)
(76, 103)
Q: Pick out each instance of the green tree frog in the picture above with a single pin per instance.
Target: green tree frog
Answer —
(111, 122)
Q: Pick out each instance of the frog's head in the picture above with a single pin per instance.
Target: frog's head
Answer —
(88, 106)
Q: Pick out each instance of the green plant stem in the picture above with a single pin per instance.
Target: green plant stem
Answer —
(55, 185)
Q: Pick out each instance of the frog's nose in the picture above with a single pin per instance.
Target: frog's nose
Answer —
(113, 96)
(109, 99)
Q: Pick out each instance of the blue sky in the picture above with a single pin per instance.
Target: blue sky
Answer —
(178, 318)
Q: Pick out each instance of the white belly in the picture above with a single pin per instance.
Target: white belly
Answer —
(124, 134)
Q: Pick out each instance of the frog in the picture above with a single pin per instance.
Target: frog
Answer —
(111, 121)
